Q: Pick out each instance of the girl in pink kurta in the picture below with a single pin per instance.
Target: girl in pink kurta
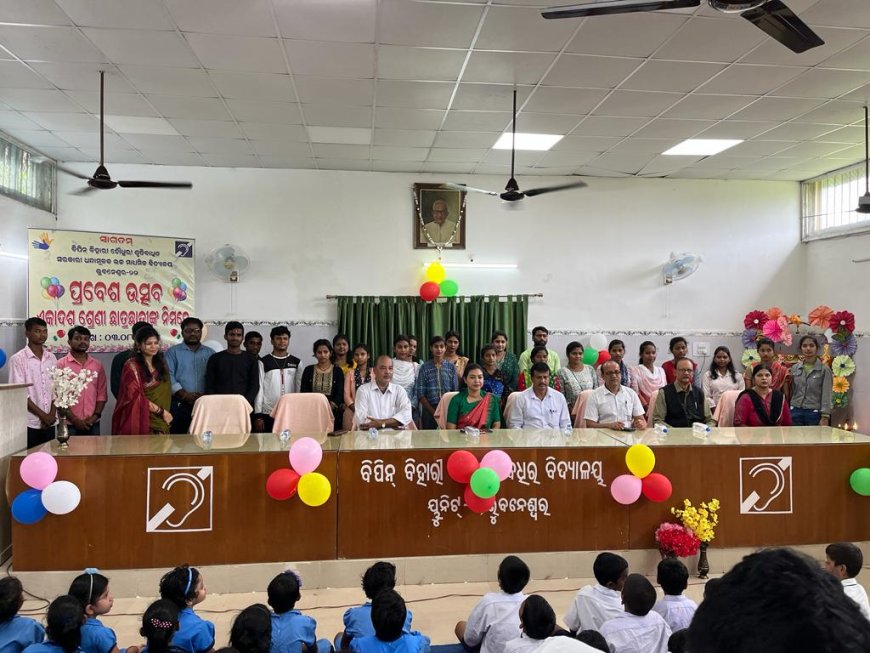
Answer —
(648, 376)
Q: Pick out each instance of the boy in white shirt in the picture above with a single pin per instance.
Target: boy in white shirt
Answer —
(595, 604)
(537, 622)
(844, 560)
(495, 619)
(639, 629)
(677, 610)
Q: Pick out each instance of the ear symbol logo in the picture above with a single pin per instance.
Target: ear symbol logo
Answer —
(762, 482)
(179, 499)
(198, 494)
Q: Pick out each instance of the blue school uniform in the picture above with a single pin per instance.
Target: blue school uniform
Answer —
(407, 643)
(97, 638)
(292, 629)
(358, 621)
(194, 635)
(18, 633)
(46, 647)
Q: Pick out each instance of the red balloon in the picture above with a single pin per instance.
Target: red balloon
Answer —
(475, 503)
(461, 465)
(281, 484)
(603, 356)
(656, 487)
(429, 291)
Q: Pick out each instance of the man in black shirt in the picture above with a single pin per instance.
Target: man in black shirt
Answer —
(681, 404)
(234, 371)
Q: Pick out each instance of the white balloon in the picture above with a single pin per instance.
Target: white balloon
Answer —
(61, 497)
(598, 341)
(829, 335)
(214, 344)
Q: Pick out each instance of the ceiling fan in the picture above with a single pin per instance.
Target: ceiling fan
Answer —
(770, 16)
(864, 200)
(512, 192)
(101, 180)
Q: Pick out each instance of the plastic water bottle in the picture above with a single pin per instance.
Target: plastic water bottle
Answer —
(284, 437)
(373, 433)
(207, 437)
(699, 428)
(472, 432)
(568, 431)
(660, 429)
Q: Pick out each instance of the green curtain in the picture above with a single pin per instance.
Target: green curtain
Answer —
(377, 320)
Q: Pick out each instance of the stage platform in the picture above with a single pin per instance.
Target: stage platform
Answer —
(154, 502)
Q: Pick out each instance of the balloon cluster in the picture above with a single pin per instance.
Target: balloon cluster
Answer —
(39, 470)
(596, 353)
(860, 481)
(314, 488)
(2, 358)
(482, 479)
(179, 289)
(437, 284)
(51, 288)
(627, 488)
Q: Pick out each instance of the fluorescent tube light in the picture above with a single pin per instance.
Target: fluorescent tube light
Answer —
(538, 142)
(702, 146)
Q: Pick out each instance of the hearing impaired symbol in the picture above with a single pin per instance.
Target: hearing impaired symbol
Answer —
(766, 485)
(179, 499)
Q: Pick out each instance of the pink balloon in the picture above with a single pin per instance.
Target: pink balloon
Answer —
(626, 488)
(305, 455)
(52, 290)
(38, 470)
(499, 461)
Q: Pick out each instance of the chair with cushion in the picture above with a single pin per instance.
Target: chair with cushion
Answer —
(724, 413)
(442, 408)
(304, 412)
(580, 408)
(221, 414)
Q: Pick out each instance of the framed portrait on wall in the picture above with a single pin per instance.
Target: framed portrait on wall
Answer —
(439, 217)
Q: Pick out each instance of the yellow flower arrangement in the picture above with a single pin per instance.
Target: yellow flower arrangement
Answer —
(702, 520)
(841, 384)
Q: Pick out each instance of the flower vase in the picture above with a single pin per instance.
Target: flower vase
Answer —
(703, 564)
(62, 432)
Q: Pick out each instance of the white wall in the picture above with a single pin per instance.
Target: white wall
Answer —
(595, 253)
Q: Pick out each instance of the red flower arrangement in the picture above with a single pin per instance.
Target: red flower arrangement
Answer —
(677, 539)
(755, 320)
(842, 321)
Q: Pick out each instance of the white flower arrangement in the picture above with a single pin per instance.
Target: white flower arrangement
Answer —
(67, 385)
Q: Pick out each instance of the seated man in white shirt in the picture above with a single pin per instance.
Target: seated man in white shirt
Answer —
(844, 560)
(381, 404)
(613, 405)
(540, 407)
(677, 610)
(639, 629)
(596, 604)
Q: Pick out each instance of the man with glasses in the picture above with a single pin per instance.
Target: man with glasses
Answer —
(613, 405)
(680, 404)
(187, 362)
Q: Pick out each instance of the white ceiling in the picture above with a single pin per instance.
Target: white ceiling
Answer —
(239, 82)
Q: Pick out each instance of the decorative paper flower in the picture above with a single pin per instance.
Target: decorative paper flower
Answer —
(774, 329)
(842, 321)
(755, 319)
(839, 399)
(786, 334)
(843, 366)
(820, 316)
(841, 384)
(748, 338)
(795, 319)
(846, 347)
(774, 313)
(750, 357)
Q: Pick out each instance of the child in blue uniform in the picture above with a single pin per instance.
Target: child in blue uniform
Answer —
(63, 626)
(292, 631)
(16, 633)
(388, 617)
(252, 630)
(185, 588)
(159, 624)
(358, 620)
(92, 591)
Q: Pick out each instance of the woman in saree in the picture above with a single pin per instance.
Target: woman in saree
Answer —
(143, 402)
(472, 406)
(762, 405)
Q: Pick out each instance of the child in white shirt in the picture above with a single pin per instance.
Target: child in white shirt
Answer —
(537, 622)
(595, 604)
(639, 629)
(844, 560)
(677, 610)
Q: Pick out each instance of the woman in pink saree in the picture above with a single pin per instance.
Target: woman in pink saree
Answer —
(143, 402)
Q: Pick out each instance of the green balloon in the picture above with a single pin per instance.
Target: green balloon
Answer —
(485, 483)
(859, 480)
(590, 356)
(176, 282)
(449, 288)
(45, 282)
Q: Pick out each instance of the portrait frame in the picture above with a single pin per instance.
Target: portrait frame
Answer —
(425, 198)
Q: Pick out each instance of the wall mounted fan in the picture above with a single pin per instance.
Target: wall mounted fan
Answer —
(228, 263)
(770, 16)
(512, 192)
(679, 266)
(101, 180)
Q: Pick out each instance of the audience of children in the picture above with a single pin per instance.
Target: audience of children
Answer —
(677, 610)
(495, 620)
(537, 623)
(388, 618)
(596, 604)
(292, 631)
(16, 632)
(638, 629)
(358, 621)
(844, 560)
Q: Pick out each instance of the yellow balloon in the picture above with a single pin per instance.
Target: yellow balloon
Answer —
(436, 272)
(314, 489)
(45, 294)
(640, 460)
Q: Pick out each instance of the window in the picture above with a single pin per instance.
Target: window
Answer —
(828, 204)
(26, 176)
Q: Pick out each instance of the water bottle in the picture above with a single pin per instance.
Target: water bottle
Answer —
(207, 437)
(699, 428)
(568, 431)
(660, 429)
(284, 437)
(472, 432)
(373, 433)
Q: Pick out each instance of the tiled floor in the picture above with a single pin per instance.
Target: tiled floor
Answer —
(436, 608)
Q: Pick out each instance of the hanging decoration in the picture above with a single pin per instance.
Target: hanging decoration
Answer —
(483, 478)
(437, 284)
(314, 488)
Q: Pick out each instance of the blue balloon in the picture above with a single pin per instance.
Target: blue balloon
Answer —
(27, 507)
(55, 281)
(2, 358)
(183, 286)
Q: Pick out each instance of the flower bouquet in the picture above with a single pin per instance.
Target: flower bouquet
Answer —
(701, 521)
(676, 539)
(66, 388)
